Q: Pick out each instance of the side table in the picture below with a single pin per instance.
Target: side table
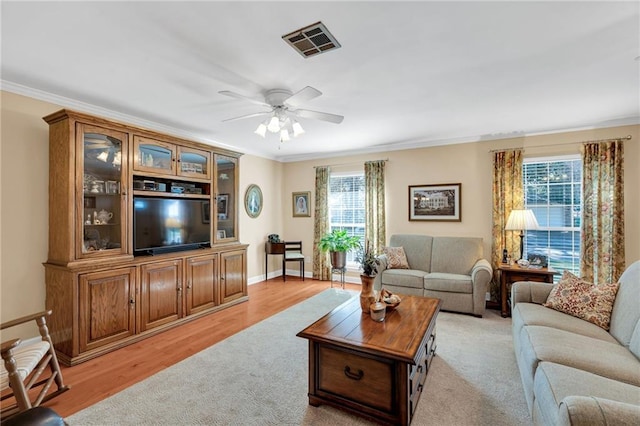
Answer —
(512, 273)
(270, 249)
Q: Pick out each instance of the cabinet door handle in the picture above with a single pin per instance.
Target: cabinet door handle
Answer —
(132, 303)
(179, 289)
(189, 285)
(353, 376)
(222, 277)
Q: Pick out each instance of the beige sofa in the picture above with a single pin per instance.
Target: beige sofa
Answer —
(574, 372)
(447, 268)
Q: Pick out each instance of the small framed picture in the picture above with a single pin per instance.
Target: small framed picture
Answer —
(537, 260)
(301, 207)
(436, 203)
(223, 206)
(111, 187)
(221, 234)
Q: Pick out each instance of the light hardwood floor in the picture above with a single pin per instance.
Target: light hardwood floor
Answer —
(104, 376)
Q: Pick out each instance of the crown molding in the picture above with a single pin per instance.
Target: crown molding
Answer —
(88, 108)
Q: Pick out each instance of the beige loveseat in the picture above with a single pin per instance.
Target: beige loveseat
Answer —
(573, 371)
(447, 268)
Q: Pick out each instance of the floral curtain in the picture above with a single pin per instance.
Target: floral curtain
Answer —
(321, 263)
(375, 227)
(508, 194)
(602, 242)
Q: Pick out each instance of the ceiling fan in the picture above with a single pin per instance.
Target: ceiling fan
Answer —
(283, 110)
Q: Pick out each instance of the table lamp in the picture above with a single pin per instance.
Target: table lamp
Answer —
(521, 220)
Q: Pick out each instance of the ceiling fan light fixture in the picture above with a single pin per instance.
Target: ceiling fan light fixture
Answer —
(284, 135)
(274, 124)
(297, 129)
(261, 130)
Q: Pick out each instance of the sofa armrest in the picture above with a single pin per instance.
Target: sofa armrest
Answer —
(588, 410)
(481, 273)
(529, 292)
(383, 263)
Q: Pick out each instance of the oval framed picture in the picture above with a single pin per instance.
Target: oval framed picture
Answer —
(253, 201)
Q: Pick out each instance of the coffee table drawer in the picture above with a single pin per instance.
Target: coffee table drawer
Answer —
(361, 379)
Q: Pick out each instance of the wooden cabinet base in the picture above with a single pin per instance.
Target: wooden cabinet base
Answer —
(98, 308)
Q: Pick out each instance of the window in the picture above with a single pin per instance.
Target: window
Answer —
(346, 206)
(553, 190)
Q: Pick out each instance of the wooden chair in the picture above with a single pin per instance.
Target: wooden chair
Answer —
(24, 363)
(292, 253)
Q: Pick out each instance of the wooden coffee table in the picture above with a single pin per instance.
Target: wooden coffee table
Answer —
(373, 369)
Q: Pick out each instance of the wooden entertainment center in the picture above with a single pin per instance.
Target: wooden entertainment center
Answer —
(105, 288)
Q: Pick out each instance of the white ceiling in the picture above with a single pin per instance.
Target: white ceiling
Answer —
(408, 74)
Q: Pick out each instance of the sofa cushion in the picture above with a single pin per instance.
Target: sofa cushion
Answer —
(455, 255)
(534, 314)
(626, 314)
(611, 360)
(453, 283)
(417, 249)
(554, 382)
(575, 296)
(411, 278)
(588, 410)
(396, 258)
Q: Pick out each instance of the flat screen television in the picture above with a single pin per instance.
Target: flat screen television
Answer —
(170, 224)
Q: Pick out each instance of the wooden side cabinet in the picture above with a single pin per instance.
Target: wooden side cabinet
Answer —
(160, 293)
(510, 274)
(233, 280)
(202, 282)
(107, 307)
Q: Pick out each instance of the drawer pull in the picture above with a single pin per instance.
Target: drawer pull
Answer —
(349, 374)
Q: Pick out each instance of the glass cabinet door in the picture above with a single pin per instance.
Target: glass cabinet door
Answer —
(154, 156)
(102, 218)
(194, 163)
(225, 212)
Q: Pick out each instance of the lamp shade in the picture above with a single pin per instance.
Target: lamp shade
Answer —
(520, 220)
(261, 130)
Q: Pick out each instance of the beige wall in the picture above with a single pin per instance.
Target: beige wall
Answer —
(471, 165)
(24, 228)
(24, 181)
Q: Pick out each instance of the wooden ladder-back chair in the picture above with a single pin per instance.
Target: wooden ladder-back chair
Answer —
(24, 363)
(292, 253)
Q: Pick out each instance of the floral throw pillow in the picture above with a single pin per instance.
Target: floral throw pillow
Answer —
(574, 296)
(396, 258)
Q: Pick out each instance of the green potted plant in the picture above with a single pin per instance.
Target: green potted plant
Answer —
(369, 265)
(338, 243)
(367, 260)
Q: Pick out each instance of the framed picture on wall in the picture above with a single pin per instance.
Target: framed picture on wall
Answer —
(301, 207)
(223, 206)
(435, 202)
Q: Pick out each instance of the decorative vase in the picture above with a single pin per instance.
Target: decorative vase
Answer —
(338, 259)
(367, 296)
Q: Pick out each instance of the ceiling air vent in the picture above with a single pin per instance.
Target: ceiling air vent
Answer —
(312, 40)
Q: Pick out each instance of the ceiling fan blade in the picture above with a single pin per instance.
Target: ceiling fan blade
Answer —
(243, 97)
(242, 117)
(302, 96)
(324, 116)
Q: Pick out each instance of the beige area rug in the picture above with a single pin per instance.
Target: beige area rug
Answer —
(259, 377)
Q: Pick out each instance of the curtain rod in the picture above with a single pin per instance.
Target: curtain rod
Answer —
(628, 137)
(348, 164)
